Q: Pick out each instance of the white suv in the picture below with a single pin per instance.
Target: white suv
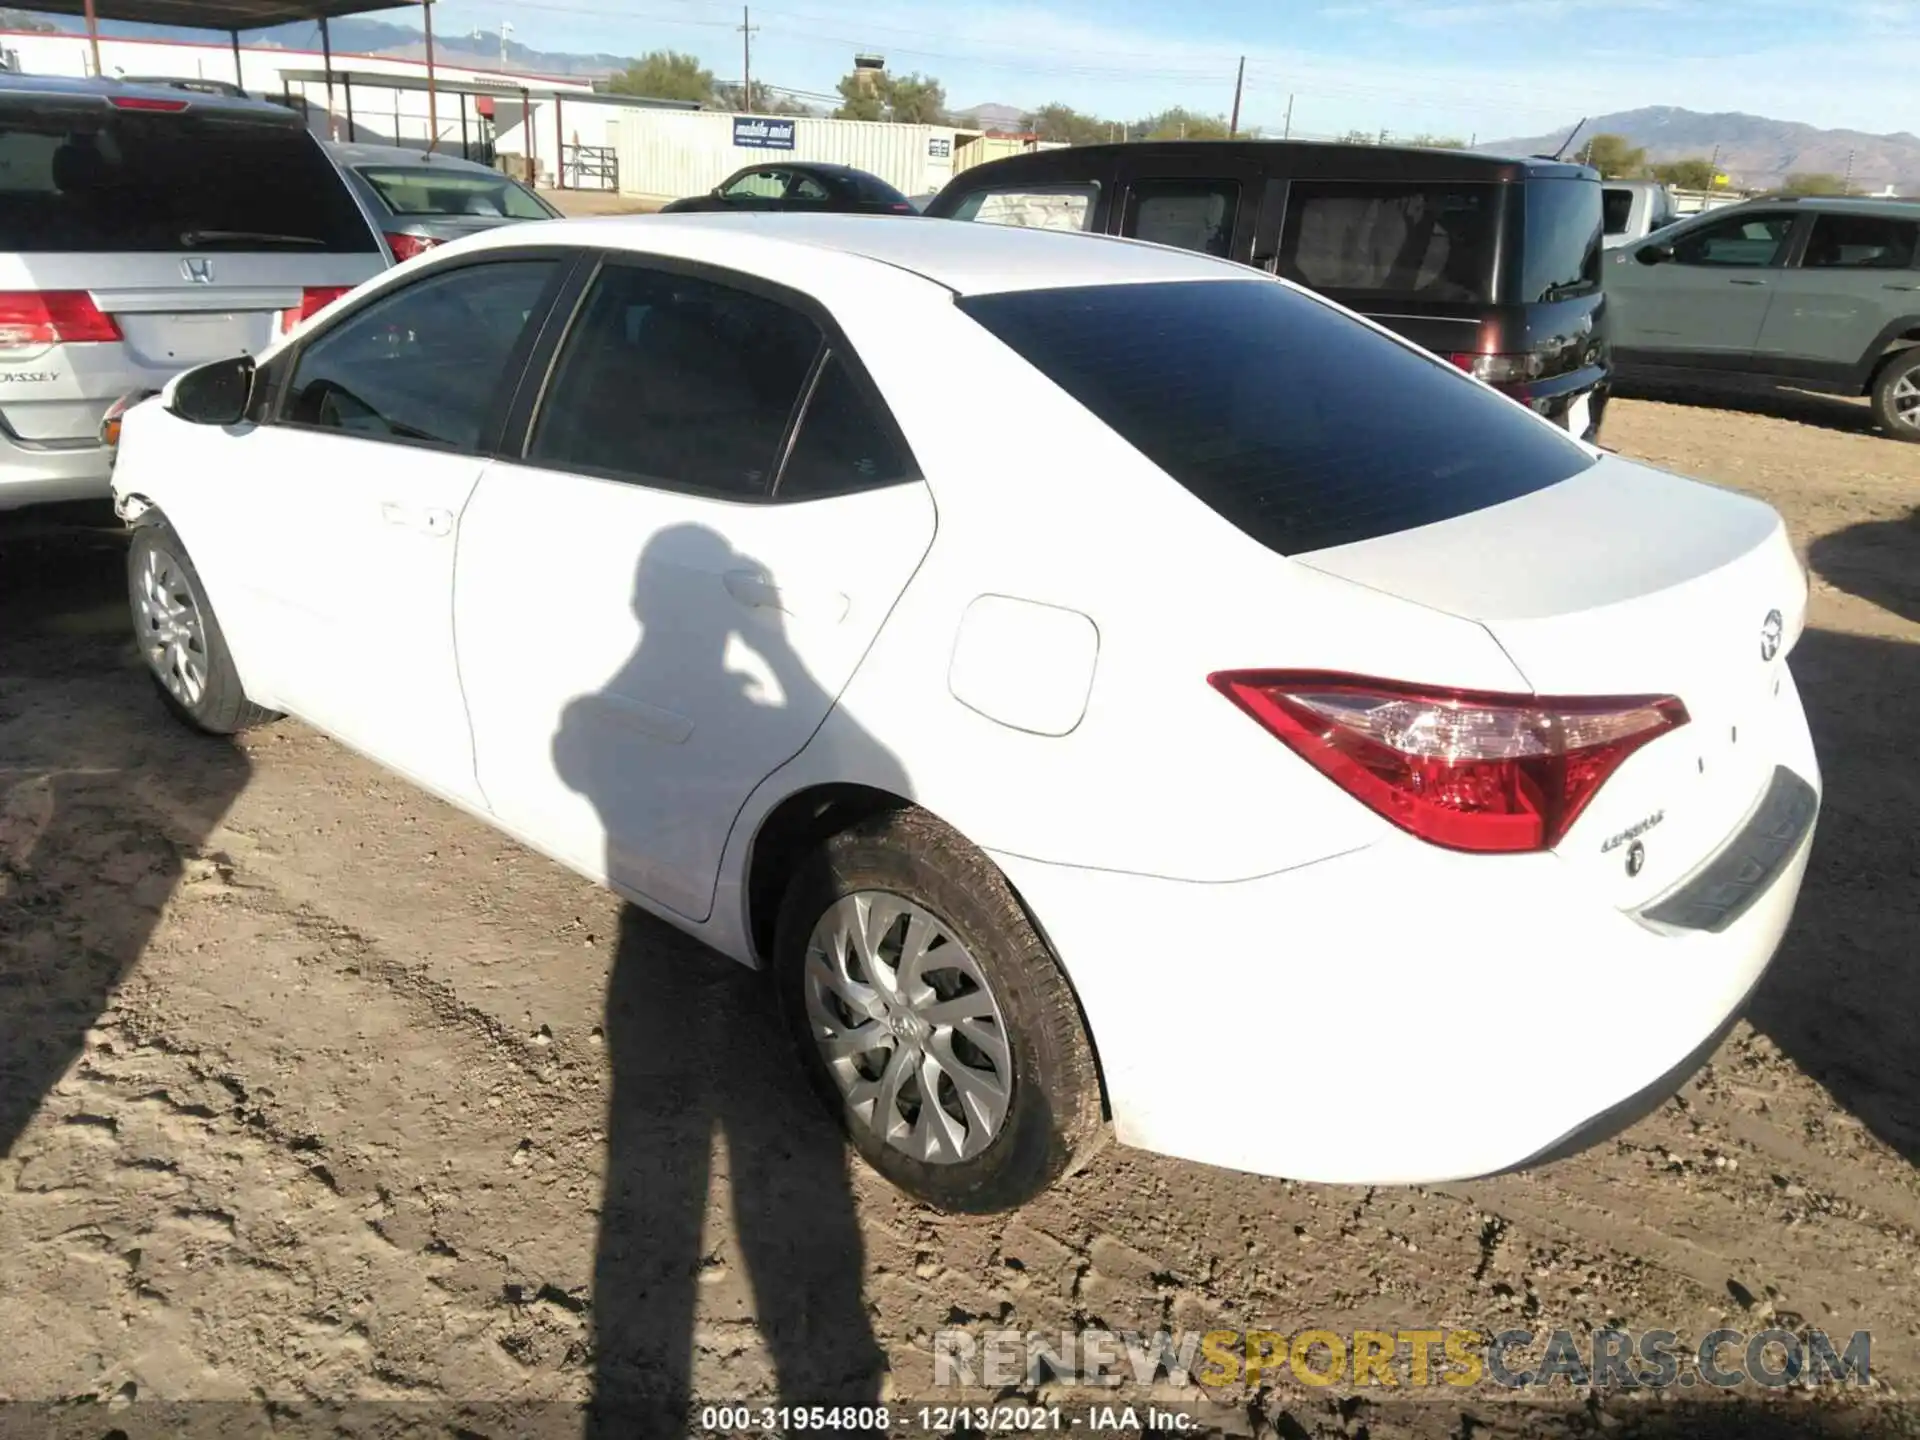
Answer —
(143, 230)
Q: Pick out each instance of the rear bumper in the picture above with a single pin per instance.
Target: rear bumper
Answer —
(37, 475)
(1400, 1014)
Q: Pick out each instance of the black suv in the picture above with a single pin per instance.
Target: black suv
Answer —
(1491, 262)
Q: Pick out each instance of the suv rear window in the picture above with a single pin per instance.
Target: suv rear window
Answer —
(1616, 208)
(1296, 423)
(1362, 237)
(87, 179)
(1561, 253)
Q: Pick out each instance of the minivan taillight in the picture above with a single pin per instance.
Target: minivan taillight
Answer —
(313, 300)
(33, 318)
(1466, 769)
(1502, 369)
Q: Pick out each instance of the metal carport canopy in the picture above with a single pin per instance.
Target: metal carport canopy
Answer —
(216, 14)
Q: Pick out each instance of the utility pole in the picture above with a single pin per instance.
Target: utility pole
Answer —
(1239, 83)
(93, 36)
(1846, 183)
(1288, 135)
(746, 58)
(506, 29)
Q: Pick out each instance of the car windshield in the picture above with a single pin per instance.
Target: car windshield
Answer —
(1293, 421)
(93, 179)
(423, 190)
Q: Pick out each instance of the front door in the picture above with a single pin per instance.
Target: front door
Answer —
(361, 478)
(1195, 203)
(644, 634)
(1706, 305)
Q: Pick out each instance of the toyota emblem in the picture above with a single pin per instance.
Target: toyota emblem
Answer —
(1771, 632)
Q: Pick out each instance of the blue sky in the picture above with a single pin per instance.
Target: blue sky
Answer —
(1485, 67)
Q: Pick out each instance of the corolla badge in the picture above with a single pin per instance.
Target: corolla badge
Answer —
(198, 269)
(1772, 630)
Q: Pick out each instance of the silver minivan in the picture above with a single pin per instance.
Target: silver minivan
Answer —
(143, 230)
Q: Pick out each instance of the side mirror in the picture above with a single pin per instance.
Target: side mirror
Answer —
(1657, 254)
(214, 394)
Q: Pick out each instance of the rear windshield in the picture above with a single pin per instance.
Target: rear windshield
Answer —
(1616, 209)
(424, 190)
(88, 180)
(1561, 256)
(1298, 424)
(874, 190)
(1364, 238)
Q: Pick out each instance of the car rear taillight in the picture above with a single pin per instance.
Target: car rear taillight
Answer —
(1461, 768)
(313, 300)
(1502, 369)
(405, 246)
(30, 318)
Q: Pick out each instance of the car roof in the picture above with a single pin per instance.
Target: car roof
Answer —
(53, 87)
(1318, 159)
(966, 257)
(400, 155)
(1905, 207)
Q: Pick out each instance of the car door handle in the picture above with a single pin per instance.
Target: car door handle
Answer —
(757, 592)
(429, 520)
(1748, 282)
(1900, 287)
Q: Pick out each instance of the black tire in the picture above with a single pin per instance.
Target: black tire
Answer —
(1054, 1112)
(1903, 367)
(218, 706)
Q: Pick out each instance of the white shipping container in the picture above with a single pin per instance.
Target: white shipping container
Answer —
(666, 155)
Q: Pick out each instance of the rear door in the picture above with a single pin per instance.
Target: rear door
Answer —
(136, 242)
(1707, 304)
(647, 626)
(1854, 275)
(1195, 203)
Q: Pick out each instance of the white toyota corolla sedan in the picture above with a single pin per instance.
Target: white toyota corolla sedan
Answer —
(1100, 682)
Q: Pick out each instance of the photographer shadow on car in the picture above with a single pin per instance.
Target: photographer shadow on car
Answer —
(697, 1052)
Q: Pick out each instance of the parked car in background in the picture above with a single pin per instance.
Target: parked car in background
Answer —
(143, 230)
(1492, 263)
(1818, 292)
(1635, 209)
(422, 200)
(799, 185)
(854, 690)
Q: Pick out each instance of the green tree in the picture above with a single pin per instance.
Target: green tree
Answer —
(764, 101)
(1812, 182)
(916, 99)
(666, 75)
(1689, 174)
(1615, 157)
(1435, 142)
(862, 99)
(1180, 123)
(1069, 126)
(1359, 137)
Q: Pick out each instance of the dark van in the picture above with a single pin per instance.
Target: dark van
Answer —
(1489, 261)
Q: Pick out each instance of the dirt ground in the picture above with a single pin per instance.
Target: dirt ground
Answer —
(310, 1090)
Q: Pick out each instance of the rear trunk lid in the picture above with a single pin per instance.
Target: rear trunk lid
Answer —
(189, 227)
(1621, 581)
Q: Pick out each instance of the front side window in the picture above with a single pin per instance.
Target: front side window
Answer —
(1266, 404)
(421, 190)
(758, 185)
(1192, 214)
(1417, 242)
(424, 364)
(675, 381)
(1036, 207)
(1739, 241)
(1862, 242)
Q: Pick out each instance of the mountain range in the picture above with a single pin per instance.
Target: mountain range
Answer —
(1754, 152)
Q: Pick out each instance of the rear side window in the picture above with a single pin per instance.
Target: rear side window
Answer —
(1408, 241)
(1862, 242)
(1292, 421)
(1560, 255)
(846, 442)
(1192, 214)
(115, 180)
(1031, 207)
(1616, 210)
(424, 190)
(675, 381)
